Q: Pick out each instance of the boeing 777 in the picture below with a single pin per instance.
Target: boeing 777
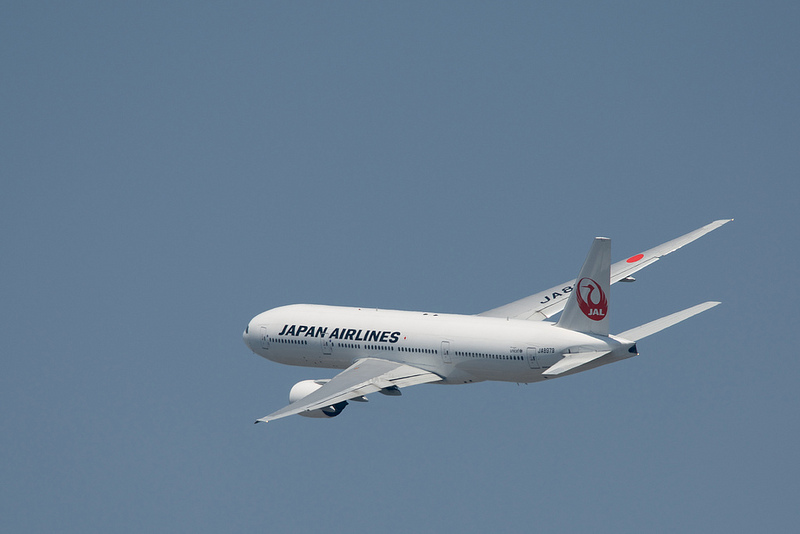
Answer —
(386, 350)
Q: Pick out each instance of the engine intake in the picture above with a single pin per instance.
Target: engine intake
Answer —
(307, 387)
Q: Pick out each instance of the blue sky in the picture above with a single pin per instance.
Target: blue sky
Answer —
(171, 170)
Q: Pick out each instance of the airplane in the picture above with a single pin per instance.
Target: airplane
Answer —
(385, 350)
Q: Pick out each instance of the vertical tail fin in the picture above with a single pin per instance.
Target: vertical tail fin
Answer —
(587, 307)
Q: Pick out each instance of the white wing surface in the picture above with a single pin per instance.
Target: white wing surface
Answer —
(572, 361)
(365, 376)
(641, 332)
(548, 303)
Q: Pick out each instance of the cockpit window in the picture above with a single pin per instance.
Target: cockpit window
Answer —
(247, 329)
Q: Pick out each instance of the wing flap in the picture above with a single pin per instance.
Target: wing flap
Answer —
(365, 376)
(572, 361)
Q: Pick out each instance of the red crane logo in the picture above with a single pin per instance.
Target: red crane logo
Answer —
(592, 299)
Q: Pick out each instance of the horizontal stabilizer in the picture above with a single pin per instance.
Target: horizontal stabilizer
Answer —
(640, 332)
(571, 361)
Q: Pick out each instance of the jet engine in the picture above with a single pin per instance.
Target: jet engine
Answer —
(307, 387)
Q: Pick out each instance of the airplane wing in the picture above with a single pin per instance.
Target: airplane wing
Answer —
(548, 303)
(365, 376)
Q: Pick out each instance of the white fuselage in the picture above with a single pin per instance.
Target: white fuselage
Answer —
(459, 348)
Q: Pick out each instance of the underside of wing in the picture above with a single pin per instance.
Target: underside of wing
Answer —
(368, 375)
(548, 303)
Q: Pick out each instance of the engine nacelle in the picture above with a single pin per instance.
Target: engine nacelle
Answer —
(307, 387)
